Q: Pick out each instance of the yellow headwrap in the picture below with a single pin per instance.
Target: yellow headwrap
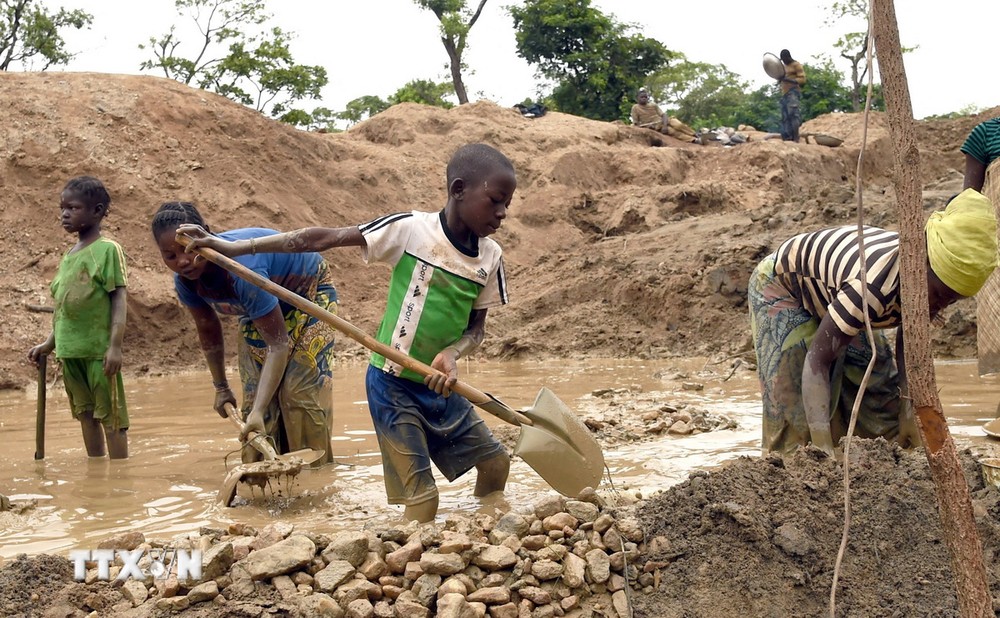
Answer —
(962, 242)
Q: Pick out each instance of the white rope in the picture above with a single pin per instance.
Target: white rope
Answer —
(868, 330)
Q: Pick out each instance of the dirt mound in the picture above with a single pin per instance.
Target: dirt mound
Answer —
(25, 582)
(613, 247)
(771, 529)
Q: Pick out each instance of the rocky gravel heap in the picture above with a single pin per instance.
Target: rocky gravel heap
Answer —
(557, 558)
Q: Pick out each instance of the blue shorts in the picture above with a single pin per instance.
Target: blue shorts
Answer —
(416, 426)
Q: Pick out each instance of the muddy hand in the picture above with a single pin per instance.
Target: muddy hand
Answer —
(442, 382)
(112, 361)
(37, 352)
(909, 433)
(222, 397)
(199, 237)
(254, 423)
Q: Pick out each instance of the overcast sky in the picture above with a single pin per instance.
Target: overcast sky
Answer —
(375, 46)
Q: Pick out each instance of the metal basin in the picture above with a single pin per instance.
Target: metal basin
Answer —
(773, 66)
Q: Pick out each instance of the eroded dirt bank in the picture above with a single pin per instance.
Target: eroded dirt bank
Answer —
(614, 248)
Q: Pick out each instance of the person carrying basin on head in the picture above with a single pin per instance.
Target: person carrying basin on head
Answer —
(285, 355)
(791, 97)
(446, 275)
(807, 323)
(88, 324)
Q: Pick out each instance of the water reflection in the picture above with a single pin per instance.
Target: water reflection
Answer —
(181, 451)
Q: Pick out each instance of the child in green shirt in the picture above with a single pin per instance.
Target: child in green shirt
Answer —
(446, 274)
(88, 324)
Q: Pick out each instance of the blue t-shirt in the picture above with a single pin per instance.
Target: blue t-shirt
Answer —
(231, 295)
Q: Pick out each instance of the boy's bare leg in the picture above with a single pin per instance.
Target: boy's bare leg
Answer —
(492, 475)
(422, 512)
(93, 434)
(117, 443)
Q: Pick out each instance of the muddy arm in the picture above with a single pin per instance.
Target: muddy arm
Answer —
(827, 346)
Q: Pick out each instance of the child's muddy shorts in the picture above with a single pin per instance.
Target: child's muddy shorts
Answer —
(89, 389)
(416, 426)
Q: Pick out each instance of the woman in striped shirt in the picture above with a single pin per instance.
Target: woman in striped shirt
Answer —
(807, 309)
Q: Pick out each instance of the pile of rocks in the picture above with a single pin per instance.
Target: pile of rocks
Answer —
(558, 558)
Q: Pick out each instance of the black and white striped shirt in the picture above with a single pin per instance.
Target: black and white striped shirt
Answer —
(822, 270)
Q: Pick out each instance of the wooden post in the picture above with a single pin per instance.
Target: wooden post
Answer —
(954, 502)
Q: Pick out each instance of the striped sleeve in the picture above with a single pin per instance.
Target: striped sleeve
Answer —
(495, 291)
(385, 237)
(983, 143)
(824, 272)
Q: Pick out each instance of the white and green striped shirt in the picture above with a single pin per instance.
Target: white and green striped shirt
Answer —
(822, 270)
(435, 284)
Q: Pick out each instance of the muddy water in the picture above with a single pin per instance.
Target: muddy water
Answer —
(181, 451)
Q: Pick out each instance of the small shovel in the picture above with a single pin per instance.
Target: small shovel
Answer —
(553, 441)
(992, 428)
(259, 473)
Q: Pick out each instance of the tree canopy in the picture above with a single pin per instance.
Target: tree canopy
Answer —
(456, 22)
(853, 46)
(30, 33)
(596, 63)
(423, 91)
(710, 96)
(237, 57)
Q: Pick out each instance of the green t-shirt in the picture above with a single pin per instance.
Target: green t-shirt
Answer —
(435, 285)
(81, 289)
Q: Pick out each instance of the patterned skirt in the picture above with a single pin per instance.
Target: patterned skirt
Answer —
(300, 415)
(782, 330)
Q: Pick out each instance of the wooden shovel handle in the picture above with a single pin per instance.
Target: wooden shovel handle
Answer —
(475, 396)
(40, 409)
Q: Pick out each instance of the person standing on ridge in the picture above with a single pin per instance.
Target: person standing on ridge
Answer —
(791, 97)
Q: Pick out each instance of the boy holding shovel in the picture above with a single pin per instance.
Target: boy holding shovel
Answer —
(446, 275)
(88, 324)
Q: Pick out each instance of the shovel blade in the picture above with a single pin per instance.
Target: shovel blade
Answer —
(306, 455)
(559, 447)
(992, 428)
(228, 490)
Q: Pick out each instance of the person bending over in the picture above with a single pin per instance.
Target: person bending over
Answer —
(446, 274)
(807, 323)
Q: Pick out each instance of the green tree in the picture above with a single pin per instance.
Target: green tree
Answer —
(596, 63)
(853, 46)
(238, 58)
(423, 91)
(321, 119)
(28, 31)
(362, 107)
(456, 22)
(700, 94)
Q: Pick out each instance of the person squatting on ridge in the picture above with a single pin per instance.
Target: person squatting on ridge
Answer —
(285, 355)
(446, 274)
(88, 323)
(647, 114)
(791, 97)
(807, 323)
